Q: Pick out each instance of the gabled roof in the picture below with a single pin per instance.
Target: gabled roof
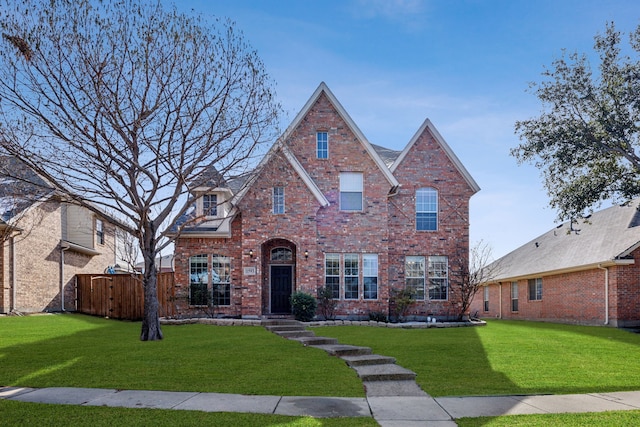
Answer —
(447, 149)
(604, 239)
(20, 188)
(323, 88)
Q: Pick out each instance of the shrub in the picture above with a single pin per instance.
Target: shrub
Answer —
(377, 316)
(326, 303)
(401, 300)
(303, 306)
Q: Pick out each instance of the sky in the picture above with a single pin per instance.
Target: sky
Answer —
(465, 65)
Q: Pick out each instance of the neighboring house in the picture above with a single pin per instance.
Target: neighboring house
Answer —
(46, 242)
(582, 272)
(327, 208)
(164, 264)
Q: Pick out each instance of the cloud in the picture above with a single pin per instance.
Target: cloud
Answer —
(410, 13)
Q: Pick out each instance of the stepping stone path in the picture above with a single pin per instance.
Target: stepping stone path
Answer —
(379, 374)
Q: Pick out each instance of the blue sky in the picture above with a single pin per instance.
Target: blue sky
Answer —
(465, 65)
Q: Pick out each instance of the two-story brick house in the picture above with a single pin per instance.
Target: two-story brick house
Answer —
(327, 208)
(45, 241)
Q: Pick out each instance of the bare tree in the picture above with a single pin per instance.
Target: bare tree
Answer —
(123, 105)
(471, 270)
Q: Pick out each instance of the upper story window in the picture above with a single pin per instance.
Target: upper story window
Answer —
(100, 231)
(322, 145)
(210, 205)
(278, 200)
(427, 209)
(351, 185)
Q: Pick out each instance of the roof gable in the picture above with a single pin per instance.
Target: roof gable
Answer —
(373, 154)
(607, 237)
(428, 126)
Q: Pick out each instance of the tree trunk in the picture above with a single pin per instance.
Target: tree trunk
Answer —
(151, 318)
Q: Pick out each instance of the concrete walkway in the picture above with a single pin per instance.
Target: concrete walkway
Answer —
(396, 411)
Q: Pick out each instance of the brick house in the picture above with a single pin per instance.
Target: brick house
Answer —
(582, 272)
(46, 242)
(325, 207)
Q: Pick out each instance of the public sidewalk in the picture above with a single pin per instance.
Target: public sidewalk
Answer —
(396, 411)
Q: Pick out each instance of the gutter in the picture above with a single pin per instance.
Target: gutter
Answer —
(606, 293)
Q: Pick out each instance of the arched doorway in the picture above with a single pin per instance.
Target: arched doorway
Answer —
(280, 264)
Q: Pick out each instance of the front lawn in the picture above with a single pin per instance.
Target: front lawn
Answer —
(72, 350)
(507, 357)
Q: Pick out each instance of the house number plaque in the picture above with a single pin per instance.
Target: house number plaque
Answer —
(249, 271)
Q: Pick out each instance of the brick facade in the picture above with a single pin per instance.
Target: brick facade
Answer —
(33, 270)
(574, 297)
(311, 230)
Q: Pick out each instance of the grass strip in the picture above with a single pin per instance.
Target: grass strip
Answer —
(39, 414)
(601, 419)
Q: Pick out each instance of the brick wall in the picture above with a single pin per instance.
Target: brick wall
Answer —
(38, 263)
(576, 298)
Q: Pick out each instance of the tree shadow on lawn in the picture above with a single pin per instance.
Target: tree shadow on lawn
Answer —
(109, 354)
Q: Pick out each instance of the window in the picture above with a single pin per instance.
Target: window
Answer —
(414, 274)
(535, 289)
(514, 296)
(332, 274)
(278, 200)
(322, 145)
(351, 276)
(198, 280)
(370, 275)
(281, 254)
(438, 277)
(427, 209)
(486, 298)
(221, 279)
(351, 184)
(100, 231)
(210, 205)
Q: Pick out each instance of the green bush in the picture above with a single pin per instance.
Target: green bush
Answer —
(326, 303)
(304, 306)
(377, 316)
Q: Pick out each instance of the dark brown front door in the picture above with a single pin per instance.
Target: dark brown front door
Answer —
(281, 286)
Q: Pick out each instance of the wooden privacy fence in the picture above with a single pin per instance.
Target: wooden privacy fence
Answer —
(121, 296)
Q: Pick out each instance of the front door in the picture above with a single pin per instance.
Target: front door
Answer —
(281, 288)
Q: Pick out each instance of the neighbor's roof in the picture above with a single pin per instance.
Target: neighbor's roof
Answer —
(605, 238)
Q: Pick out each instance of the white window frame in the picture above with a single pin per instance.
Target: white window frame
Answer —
(210, 211)
(332, 273)
(351, 271)
(485, 299)
(426, 209)
(370, 276)
(322, 152)
(514, 296)
(437, 274)
(351, 189)
(278, 200)
(414, 275)
(535, 289)
(99, 231)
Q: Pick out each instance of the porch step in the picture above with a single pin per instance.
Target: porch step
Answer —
(341, 350)
(284, 328)
(384, 372)
(316, 341)
(295, 334)
(368, 359)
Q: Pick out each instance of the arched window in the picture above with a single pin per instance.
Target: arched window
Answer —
(427, 209)
(281, 254)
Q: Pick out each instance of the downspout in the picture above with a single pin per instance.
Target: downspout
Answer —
(14, 281)
(62, 250)
(606, 293)
(500, 299)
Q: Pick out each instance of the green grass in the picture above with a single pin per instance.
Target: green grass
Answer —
(82, 351)
(507, 357)
(36, 414)
(601, 419)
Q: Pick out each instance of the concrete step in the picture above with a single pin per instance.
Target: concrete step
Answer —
(368, 359)
(386, 372)
(392, 388)
(341, 350)
(316, 341)
(295, 334)
(274, 322)
(280, 328)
